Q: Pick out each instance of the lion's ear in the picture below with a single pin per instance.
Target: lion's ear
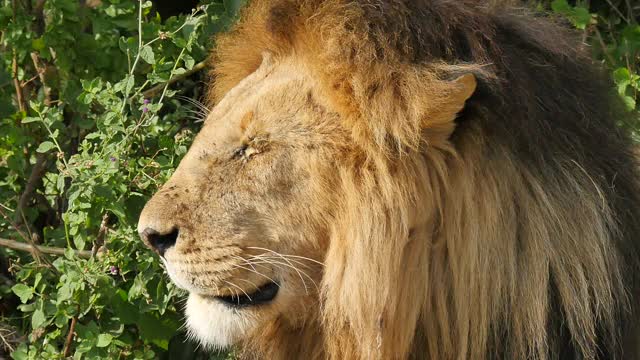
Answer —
(465, 87)
(440, 122)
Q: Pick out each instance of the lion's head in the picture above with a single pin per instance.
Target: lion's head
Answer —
(393, 179)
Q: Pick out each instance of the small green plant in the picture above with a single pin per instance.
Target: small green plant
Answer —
(612, 30)
(90, 126)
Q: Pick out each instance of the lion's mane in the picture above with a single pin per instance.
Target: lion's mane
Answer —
(528, 202)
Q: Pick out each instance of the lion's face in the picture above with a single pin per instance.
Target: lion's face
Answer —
(242, 224)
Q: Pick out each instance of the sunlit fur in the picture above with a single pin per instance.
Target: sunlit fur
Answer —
(455, 165)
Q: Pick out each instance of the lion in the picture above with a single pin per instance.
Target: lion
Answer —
(405, 179)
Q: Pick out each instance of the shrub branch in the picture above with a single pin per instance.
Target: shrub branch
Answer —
(37, 172)
(17, 245)
(67, 344)
(160, 87)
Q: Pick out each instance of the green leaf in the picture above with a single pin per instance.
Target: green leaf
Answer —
(24, 292)
(65, 292)
(621, 75)
(158, 331)
(118, 210)
(37, 280)
(46, 146)
(79, 242)
(38, 44)
(37, 319)
(104, 340)
(581, 18)
(178, 71)
(146, 53)
(21, 353)
(180, 42)
(85, 346)
(30, 120)
(560, 6)
(629, 102)
(189, 63)
(131, 81)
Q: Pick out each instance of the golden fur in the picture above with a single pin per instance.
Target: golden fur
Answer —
(438, 239)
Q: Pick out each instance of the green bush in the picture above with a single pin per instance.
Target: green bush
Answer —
(96, 127)
(94, 116)
(611, 29)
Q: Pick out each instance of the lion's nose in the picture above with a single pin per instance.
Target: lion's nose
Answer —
(158, 241)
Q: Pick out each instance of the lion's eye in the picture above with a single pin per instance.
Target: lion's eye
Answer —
(245, 152)
(240, 152)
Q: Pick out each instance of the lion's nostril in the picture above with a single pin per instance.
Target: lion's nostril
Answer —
(160, 242)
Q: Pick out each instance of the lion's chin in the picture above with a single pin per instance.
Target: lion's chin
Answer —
(215, 324)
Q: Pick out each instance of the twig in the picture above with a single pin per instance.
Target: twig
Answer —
(630, 10)
(101, 234)
(604, 47)
(67, 343)
(22, 104)
(41, 70)
(37, 172)
(160, 87)
(9, 337)
(615, 8)
(35, 252)
(17, 245)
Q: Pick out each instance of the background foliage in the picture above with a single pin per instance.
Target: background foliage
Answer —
(95, 113)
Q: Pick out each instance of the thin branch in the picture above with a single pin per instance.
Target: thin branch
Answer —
(67, 343)
(22, 103)
(97, 244)
(160, 87)
(604, 47)
(17, 245)
(9, 337)
(615, 8)
(41, 69)
(630, 10)
(35, 252)
(37, 172)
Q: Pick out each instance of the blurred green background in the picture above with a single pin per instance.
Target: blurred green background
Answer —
(98, 103)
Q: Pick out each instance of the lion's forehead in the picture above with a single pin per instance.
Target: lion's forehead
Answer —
(274, 87)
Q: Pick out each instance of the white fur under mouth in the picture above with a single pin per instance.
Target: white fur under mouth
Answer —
(215, 324)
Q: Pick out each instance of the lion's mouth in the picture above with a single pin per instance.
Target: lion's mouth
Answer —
(262, 295)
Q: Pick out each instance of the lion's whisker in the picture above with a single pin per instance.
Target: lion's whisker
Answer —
(252, 283)
(257, 272)
(197, 114)
(280, 265)
(194, 102)
(306, 290)
(306, 266)
(276, 263)
(298, 271)
(244, 260)
(287, 255)
(239, 288)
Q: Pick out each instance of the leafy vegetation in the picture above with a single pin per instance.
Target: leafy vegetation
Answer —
(94, 116)
(90, 125)
(611, 29)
